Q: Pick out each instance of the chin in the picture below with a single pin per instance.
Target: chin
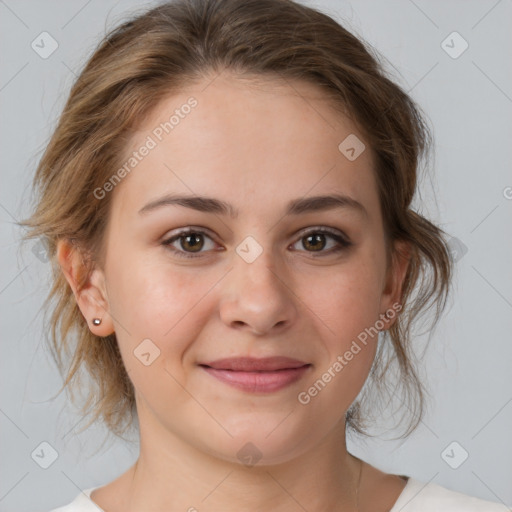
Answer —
(256, 444)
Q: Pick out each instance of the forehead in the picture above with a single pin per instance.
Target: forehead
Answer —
(249, 142)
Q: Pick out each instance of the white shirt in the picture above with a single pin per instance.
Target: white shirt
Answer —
(415, 497)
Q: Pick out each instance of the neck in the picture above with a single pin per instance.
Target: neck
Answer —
(173, 475)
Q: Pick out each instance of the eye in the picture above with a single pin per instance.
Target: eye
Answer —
(188, 238)
(191, 241)
(315, 239)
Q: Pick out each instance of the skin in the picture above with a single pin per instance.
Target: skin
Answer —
(256, 145)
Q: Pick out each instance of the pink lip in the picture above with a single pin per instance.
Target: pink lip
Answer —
(252, 364)
(257, 375)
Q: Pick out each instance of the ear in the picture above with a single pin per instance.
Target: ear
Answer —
(92, 298)
(391, 298)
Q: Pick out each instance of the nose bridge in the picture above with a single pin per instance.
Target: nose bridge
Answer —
(254, 264)
(257, 294)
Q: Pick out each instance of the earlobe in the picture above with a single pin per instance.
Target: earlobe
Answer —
(91, 297)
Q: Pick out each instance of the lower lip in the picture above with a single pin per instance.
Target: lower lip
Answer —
(258, 382)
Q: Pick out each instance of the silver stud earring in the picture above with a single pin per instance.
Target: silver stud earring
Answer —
(96, 321)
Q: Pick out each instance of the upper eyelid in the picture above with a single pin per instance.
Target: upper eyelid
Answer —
(196, 229)
(336, 232)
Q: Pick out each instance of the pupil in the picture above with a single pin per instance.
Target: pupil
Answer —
(317, 238)
(197, 240)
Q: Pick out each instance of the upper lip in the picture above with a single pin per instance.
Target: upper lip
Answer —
(251, 364)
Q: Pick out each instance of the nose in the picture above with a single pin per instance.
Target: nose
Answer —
(258, 298)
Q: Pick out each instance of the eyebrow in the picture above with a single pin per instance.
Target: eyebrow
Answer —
(219, 207)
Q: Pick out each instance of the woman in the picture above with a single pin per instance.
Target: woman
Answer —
(226, 200)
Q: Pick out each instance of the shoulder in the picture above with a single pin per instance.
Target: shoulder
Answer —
(82, 503)
(429, 497)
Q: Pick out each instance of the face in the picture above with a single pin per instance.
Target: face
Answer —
(257, 280)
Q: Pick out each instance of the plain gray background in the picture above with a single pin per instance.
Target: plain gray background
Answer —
(468, 100)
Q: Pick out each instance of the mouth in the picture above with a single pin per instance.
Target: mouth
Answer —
(257, 375)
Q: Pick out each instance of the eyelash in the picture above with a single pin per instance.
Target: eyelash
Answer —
(343, 243)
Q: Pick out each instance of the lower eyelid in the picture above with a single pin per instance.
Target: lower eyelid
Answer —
(342, 242)
(169, 241)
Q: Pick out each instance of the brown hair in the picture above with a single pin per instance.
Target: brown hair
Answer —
(163, 50)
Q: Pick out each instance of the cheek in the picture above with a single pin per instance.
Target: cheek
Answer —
(345, 311)
(158, 318)
(344, 301)
(158, 303)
